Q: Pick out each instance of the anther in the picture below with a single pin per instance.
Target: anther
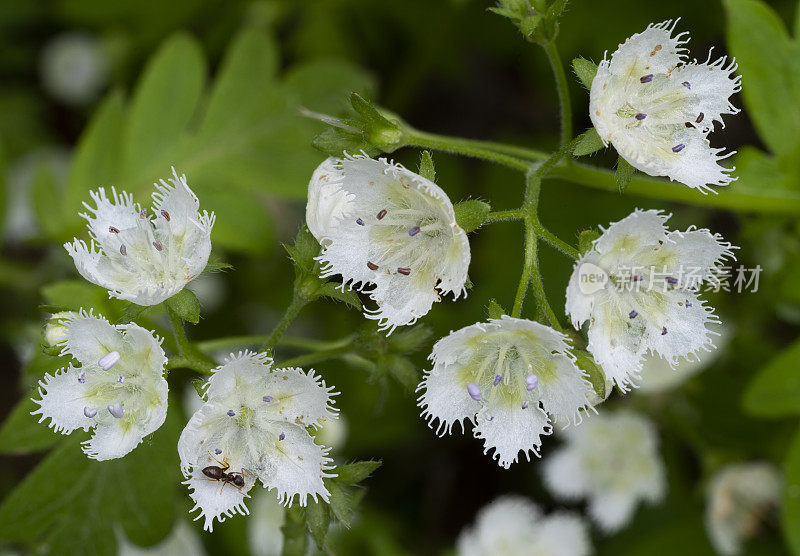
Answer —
(404, 271)
(143, 213)
(82, 378)
(640, 116)
(672, 280)
(116, 410)
(372, 266)
(165, 214)
(524, 405)
(217, 451)
(413, 231)
(632, 314)
(646, 78)
(497, 379)
(123, 250)
(700, 117)
(158, 245)
(381, 214)
(281, 436)
(688, 304)
(663, 331)
(531, 381)
(678, 148)
(686, 84)
(231, 413)
(474, 391)
(109, 360)
(89, 412)
(359, 222)
(267, 398)
(113, 230)
(121, 379)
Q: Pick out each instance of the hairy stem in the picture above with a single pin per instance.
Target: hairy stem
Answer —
(563, 91)
(291, 313)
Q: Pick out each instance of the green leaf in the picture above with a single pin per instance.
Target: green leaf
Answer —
(426, 167)
(21, 433)
(295, 539)
(494, 310)
(354, 473)
(47, 201)
(186, 305)
(410, 339)
(585, 70)
(586, 239)
(304, 250)
(334, 291)
(624, 173)
(790, 507)
(401, 369)
(587, 143)
(586, 363)
(74, 503)
(471, 215)
(341, 501)
(775, 389)
(318, 519)
(76, 294)
(770, 61)
(216, 265)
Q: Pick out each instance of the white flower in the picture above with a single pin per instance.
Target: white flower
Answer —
(119, 388)
(381, 224)
(74, 67)
(612, 460)
(140, 258)
(55, 331)
(264, 535)
(643, 98)
(739, 498)
(637, 287)
(509, 377)
(513, 525)
(254, 426)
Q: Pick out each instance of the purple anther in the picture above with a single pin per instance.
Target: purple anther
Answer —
(267, 398)
(474, 391)
(143, 213)
(688, 303)
(281, 436)
(217, 451)
(646, 78)
(123, 250)
(89, 412)
(640, 116)
(121, 379)
(524, 405)
(413, 231)
(116, 410)
(113, 230)
(678, 148)
(231, 413)
(260, 467)
(109, 360)
(158, 245)
(497, 379)
(663, 331)
(672, 280)
(404, 271)
(165, 214)
(381, 214)
(686, 84)
(632, 314)
(490, 417)
(360, 222)
(82, 378)
(531, 381)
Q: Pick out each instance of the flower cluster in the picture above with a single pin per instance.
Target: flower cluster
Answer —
(254, 425)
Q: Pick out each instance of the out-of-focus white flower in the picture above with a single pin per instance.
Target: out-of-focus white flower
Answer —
(740, 498)
(74, 68)
(119, 388)
(264, 535)
(254, 426)
(643, 98)
(513, 525)
(332, 433)
(379, 223)
(140, 258)
(638, 286)
(611, 460)
(55, 331)
(183, 541)
(657, 376)
(509, 377)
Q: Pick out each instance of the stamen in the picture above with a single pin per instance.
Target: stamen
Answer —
(531, 381)
(143, 213)
(413, 231)
(281, 436)
(113, 230)
(82, 378)
(672, 280)
(381, 214)
(231, 413)
(640, 116)
(116, 410)
(686, 84)
(632, 314)
(158, 245)
(109, 360)
(663, 331)
(123, 250)
(121, 379)
(165, 214)
(360, 222)
(474, 391)
(267, 398)
(404, 271)
(678, 148)
(646, 78)
(89, 412)
(688, 304)
(497, 379)
(700, 117)
(217, 451)
(490, 417)
(372, 266)
(525, 405)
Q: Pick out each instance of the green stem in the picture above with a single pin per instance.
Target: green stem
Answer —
(178, 331)
(557, 243)
(505, 215)
(467, 147)
(527, 269)
(315, 357)
(258, 339)
(563, 91)
(291, 313)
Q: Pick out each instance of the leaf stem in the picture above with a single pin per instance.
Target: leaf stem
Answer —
(505, 215)
(181, 341)
(291, 313)
(563, 91)
(557, 243)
